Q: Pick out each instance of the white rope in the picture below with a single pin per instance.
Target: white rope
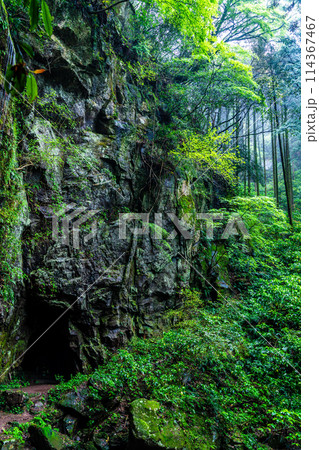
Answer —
(9, 60)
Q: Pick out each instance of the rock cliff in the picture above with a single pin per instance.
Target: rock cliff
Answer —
(87, 153)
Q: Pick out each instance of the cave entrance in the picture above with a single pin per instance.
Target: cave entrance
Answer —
(51, 355)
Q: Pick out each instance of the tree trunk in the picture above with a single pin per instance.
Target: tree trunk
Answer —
(274, 159)
(237, 143)
(248, 152)
(255, 153)
(264, 152)
(284, 168)
(288, 161)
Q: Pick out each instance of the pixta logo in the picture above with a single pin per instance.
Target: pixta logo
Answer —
(70, 228)
(184, 226)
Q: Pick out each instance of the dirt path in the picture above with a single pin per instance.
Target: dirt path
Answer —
(36, 390)
(6, 418)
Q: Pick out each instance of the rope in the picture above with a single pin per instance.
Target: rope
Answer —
(9, 59)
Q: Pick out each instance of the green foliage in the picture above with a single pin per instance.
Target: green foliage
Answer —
(142, 72)
(229, 364)
(15, 383)
(46, 17)
(196, 86)
(208, 152)
(18, 77)
(193, 19)
(57, 111)
(191, 301)
(265, 222)
(31, 87)
(65, 386)
(243, 20)
(12, 209)
(235, 73)
(34, 15)
(233, 364)
(16, 433)
(203, 370)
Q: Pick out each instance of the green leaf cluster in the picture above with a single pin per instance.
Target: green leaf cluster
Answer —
(208, 152)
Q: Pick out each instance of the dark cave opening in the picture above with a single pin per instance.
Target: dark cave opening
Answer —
(50, 354)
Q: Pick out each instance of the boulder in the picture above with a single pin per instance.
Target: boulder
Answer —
(14, 399)
(154, 427)
(44, 438)
(74, 401)
(37, 407)
(150, 430)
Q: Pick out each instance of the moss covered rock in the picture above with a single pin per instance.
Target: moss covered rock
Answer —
(47, 439)
(155, 427)
(151, 430)
(79, 402)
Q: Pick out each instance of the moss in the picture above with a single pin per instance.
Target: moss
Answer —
(145, 419)
(10, 347)
(172, 436)
(223, 281)
(152, 405)
(150, 426)
(45, 438)
(156, 426)
(186, 203)
(11, 205)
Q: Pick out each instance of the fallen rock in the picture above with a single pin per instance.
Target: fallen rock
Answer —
(37, 407)
(80, 403)
(12, 399)
(74, 401)
(44, 438)
(150, 430)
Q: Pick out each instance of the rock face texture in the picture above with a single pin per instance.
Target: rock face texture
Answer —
(85, 159)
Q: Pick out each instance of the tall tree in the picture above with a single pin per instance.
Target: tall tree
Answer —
(255, 153)
(248, 153)
(264, 152)
(282, 154)
(274, 159)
